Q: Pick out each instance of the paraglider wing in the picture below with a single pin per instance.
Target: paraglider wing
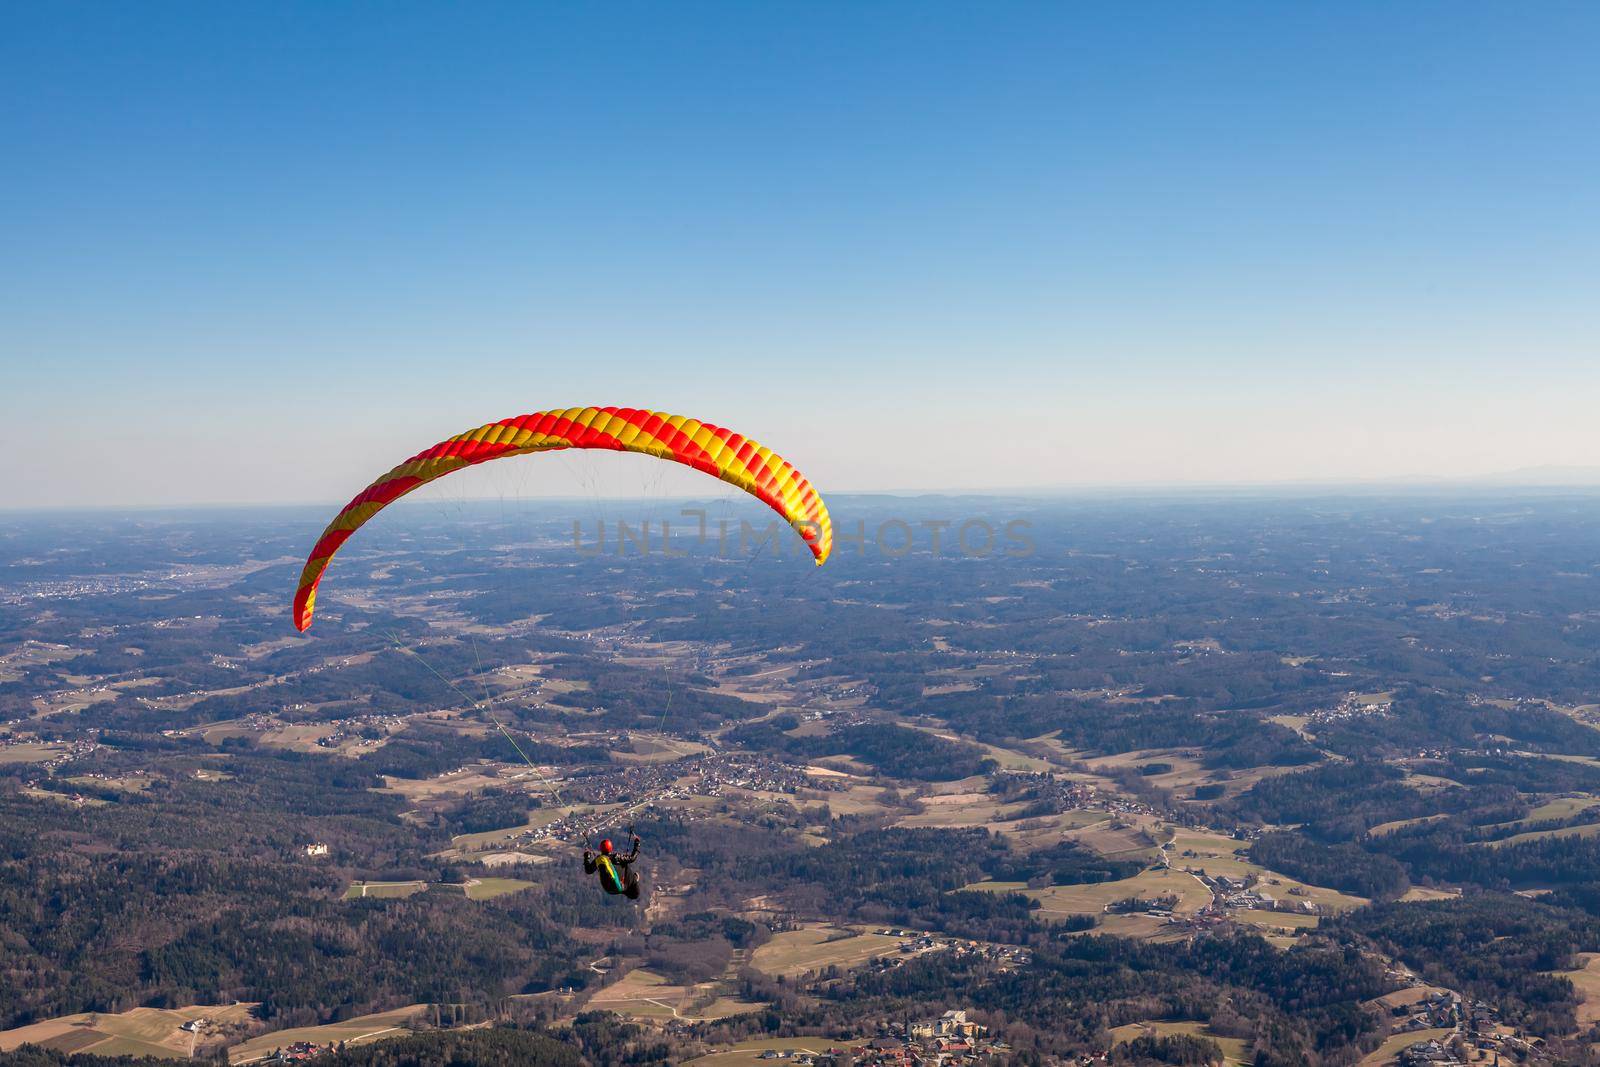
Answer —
(721, 453)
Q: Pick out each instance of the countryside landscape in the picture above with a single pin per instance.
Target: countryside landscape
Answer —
(1277, 779)
(829, 534)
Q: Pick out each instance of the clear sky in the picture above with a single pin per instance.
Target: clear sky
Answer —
(261, 251)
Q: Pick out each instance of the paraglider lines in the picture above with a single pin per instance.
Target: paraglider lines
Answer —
(487, 710)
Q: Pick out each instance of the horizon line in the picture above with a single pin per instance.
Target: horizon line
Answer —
(1422, 485)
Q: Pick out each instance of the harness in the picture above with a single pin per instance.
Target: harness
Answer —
(610, 877)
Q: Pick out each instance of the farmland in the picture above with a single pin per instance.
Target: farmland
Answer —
(795, 952)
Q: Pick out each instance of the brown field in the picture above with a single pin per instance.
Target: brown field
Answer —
(960, 810)
(1390, 1050)
(1181, 760)
(1587, 980)
(1409, 995)
(31, 753)
(474, 888)
(508, 859)
(133, 783)
(1427, 783)
(1187, 772)
(1418, 892)
(750, 1051)
(1146, 885)
(859, 799)
(140, 1032)
(1216, 854)
(466, 782)
(1399, 824)
(645, 994)
(1047, 830)
(60, 798)
(362, 1029)
(658, 748)
(1283, 922)
(1010, 759)
(1059, 901)
(495, 839)
(793, 952)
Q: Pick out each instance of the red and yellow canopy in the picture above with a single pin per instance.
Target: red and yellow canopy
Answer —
(721, 453)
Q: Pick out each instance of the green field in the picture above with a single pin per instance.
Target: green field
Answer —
(489, 888)
(383, 890)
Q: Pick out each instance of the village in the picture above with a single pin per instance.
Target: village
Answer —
(949, 1040)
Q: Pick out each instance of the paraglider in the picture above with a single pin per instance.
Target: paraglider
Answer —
(617, 875)
(721, 453)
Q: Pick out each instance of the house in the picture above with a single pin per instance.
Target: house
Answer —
(317, 849)
(956, 1024)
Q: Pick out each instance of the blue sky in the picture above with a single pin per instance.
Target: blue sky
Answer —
(261, 251)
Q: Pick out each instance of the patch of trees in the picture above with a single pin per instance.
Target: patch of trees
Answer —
(1139, 905)
(1527, 774)
(698, 947)
(1492, 946)
(896, 751)
(1238, 739)
(1341, 801)
(424, 749)
(1450, 852)
(1302, 1006)
(200, 892)
(1167, 1048)
(493, 809)
(631, 698)
(1064, 863)
(39, 1056)
(1421, 718)
(493, 1047)
(1342, 865)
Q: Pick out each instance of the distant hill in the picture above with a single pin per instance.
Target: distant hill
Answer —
(1546, 475)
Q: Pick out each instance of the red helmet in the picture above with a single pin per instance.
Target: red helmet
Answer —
(605, 846)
